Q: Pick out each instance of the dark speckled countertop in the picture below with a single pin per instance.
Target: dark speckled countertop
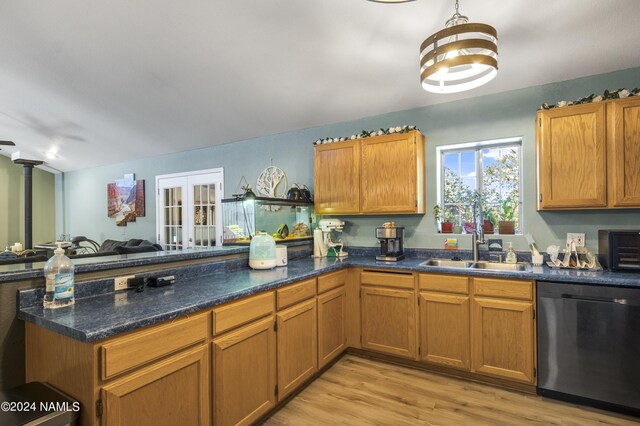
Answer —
(100, 316)
(24, 271)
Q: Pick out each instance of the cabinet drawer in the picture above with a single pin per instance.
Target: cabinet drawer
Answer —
(387, 279)
(295, 293)
(510, 289)
(241, 312)
(444, 283)
(125, 353)
(332, 280)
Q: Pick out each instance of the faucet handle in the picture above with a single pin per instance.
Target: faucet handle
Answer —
(499, 256)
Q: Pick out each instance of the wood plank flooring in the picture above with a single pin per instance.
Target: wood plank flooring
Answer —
(358, 391)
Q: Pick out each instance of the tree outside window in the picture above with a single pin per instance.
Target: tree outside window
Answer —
(488, 172)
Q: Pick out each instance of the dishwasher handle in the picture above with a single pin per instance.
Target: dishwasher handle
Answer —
(600, 299)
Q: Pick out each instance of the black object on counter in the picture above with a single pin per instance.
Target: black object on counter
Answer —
(160, 281)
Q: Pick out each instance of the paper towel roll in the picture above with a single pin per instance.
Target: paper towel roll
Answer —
(317, 243)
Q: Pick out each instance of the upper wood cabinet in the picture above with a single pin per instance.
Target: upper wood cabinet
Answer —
(624, 152)
(376, 175)
(589, 155)
(571, 157)
(337, 178)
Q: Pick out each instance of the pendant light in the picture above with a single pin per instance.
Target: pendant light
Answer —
(460, 57)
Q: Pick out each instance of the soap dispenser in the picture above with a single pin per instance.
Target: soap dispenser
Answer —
(511, 254)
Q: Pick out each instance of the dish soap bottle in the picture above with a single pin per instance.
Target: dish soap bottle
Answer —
(60, 280)
(511, 254)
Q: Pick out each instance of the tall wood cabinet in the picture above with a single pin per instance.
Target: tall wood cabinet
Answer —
(332, 316)
(502, 329)
(297, 343)
(376, 175)
(244, 360)
(444, 320)
(589, 155)
(388, 309)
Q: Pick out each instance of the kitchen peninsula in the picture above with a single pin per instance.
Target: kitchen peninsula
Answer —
(214, 314)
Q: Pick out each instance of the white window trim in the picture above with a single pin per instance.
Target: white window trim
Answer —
(448, 149)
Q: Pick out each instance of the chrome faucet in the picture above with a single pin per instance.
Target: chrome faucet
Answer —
(477, 237)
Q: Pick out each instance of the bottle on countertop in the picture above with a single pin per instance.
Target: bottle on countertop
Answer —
(511, 254)
(59, 274)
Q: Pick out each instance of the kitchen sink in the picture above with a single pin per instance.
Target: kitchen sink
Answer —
(484, 265)
(496, 266)
(447, 263)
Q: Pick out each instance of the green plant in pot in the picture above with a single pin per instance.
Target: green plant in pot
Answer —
(507, 215)
(490, 219)
(437, 214)
(449, 220)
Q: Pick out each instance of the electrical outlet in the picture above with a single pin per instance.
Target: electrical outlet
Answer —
(120, 283)
(578, 238)
(120, 299)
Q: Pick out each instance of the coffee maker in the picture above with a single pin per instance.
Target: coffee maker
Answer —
(391, 240)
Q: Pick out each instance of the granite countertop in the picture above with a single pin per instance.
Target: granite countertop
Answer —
(92, 264)
(100, 316)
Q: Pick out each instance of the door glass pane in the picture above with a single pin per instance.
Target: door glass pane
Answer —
(204, 217)
(172, 218)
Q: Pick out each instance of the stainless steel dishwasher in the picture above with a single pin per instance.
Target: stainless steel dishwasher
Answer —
(589, 344)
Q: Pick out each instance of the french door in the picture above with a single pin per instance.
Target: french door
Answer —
(189, 209)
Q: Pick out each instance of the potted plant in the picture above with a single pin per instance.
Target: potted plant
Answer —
(507, 213)
(489, 220)
(447, 224)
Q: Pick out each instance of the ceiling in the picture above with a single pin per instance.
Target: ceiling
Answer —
(103, 82)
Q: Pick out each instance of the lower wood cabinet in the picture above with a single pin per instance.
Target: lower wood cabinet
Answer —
(389, 321)
(332, 339)
(502, 329)
(444, 329)
(171, 392)
(297, 343)
(244, 372)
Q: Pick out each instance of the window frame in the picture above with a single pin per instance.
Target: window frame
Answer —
(476, 147)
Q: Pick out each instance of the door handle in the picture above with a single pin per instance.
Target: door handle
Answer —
(597, 299)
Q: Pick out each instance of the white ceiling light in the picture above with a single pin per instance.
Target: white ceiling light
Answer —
(391, 1)
(460, 57)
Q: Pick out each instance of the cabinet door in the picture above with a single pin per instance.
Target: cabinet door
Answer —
(502, 338)
(392, 174)
(171, 392)
(331, 325)
(297, 353)
(244, 371)
(389, 321)
(572, 157)
(444, 329)
(624, 149)
(337, 178)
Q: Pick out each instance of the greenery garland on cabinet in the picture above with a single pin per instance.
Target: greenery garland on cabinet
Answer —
(608, 94)
(367, 134)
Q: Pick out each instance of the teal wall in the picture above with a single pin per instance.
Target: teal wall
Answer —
(82, 201)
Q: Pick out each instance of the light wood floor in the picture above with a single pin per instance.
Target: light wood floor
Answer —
(357, 391)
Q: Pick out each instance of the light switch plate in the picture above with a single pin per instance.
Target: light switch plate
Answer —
(578, 238)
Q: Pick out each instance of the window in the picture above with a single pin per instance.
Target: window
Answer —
(489, 172)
